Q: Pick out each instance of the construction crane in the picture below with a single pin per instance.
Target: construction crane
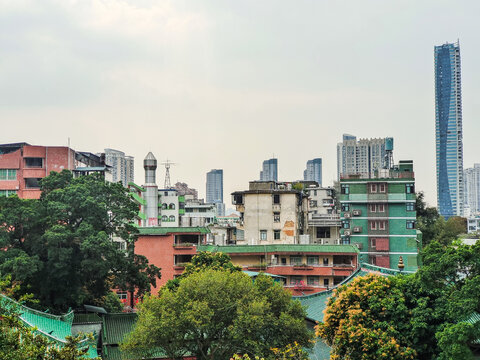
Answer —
(167, 164)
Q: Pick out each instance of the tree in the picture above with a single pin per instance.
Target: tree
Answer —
(204, 260)
(426, 218)
(214, 314)
(367, 319)
(60, 247)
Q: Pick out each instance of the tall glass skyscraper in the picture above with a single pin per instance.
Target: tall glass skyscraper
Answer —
(313, 171)
(215, 190)
(448, 130)
(269, 170)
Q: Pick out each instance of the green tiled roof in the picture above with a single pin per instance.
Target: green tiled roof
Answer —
(138, 187)
(54, 327)
(116, 326)
(236, 249)
(142, 215)
(157, 230)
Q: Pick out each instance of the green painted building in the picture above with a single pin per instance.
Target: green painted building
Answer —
(378, 216)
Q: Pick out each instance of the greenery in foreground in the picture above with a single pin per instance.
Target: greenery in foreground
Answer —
(59, 248)
(418, 316)
(215, 313)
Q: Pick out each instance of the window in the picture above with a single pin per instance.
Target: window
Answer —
(8, 174)
(410, 206)
(263, 234)
(382, 188)
(314, 192)
(276, 234)
(345, 207)
(325, 261)
(326, 282)
(373, 188)
(381, 208)
(276, 199)
(323, 232)
(7, 193)
(165, 193)
(164, 206)
(373, 243)
(32, 183)
(164, 218)
(313, 203)
(276, 217)
(171, 218)
(381, 225)
(345, 189)
(312, 260)
(373, 225)
(313, 280)
(410, 188)
(283, 261)
(34, 162)
(296, 280)
(171, 206)
(346, 224)
(122, 295)
(373, 208)
(410, 224)
(295, 260)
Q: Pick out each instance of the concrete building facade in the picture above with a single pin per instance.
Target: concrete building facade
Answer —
(363, 156)
(122, 166)
(472, 189)
(271, 213)
(23, 165)
(378, 216)
(448, 130)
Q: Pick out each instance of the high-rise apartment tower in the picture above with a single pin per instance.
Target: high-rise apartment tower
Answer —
(472, 188)
(122, 166)
(448, 130)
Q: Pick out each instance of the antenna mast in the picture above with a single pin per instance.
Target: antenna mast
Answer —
(167, 164)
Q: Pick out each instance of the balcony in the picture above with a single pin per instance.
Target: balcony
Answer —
(183, 246)
(324, 220)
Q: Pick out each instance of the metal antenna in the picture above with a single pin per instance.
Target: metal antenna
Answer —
(167, 164)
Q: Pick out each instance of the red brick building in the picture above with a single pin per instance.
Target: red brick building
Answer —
(23, 165)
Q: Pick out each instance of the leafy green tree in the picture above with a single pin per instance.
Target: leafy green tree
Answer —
(426, 218)
(214, 314)
(204, 260)
(367, 319)
(60, 247)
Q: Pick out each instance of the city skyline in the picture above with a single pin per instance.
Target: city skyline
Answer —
(289, 84)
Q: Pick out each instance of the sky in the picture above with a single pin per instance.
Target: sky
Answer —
(227, 84)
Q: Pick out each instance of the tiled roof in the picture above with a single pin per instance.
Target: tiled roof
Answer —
(157, 230)
(311, 248)
(138, 187)
(54, 327)
(116, 326)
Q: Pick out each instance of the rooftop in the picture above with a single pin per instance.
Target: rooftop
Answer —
(294, 248)
(157, 230)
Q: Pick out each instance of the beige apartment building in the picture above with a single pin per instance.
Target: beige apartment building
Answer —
(271, 213)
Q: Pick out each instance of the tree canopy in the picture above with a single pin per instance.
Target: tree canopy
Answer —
(60, 248)
(423, 315)
(214, 314)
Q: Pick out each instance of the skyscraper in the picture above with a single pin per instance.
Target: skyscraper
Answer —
(472, 188)
(448, 130)
(362, 156)
(269, 170)
(313, 172)
(215, 190)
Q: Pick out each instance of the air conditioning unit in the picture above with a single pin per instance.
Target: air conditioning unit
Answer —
(347, 215)
(358, 245)
(357, 229)
(347, 232)
(357, 212)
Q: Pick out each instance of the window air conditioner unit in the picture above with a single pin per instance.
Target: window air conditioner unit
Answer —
(357, 212)
(347, 215)
(347, 232)
(359, 245)
(357, 229)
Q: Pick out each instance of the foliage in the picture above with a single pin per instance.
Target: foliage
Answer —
(426, 312)
(426, 218)
(204, 260)
(111, 303)
(214, 314)
(290, 352)
(367, 320)
(60, 247)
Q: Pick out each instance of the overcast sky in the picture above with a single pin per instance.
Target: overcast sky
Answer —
(227, 84)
